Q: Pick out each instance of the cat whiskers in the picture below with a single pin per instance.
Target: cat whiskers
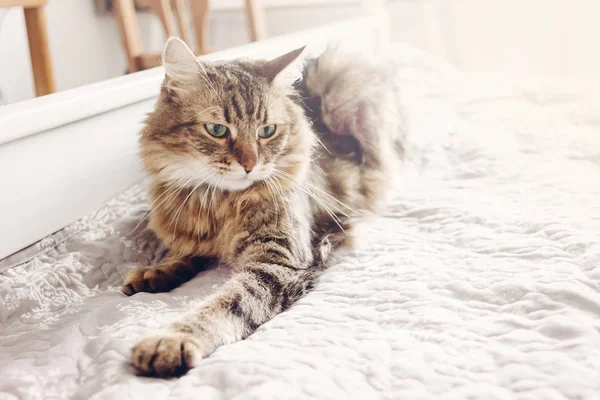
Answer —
(196, 176)
(308, 185)
(305, 187)
(205, 196)
(208, 190)
(167, 191)
(149, 209)
(215, 187)
(204, 77)
(274, 197)
(201, 206)
(212, 186)
(305, 98)
(283, 196)
(316, 136)
(180, 209)
(325, 206)
(198, 219)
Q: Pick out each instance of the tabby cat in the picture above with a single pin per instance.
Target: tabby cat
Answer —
(261, 174)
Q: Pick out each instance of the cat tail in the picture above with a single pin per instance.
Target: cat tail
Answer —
(297, 288)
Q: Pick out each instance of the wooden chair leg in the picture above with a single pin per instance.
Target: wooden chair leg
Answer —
(256, 20)
(41, 63)
(130, 32)
(199, 10)
(179, 6)
(162, 8)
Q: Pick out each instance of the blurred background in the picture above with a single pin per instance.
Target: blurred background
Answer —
(86, 38)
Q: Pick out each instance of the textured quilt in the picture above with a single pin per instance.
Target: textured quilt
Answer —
(480, 280)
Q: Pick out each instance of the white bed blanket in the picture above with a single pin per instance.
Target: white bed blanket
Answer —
(480, 281)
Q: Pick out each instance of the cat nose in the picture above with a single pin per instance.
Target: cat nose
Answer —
(248, 165)
(248, 160)
(246, 155)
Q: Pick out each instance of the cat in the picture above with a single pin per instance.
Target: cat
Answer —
(261, 173)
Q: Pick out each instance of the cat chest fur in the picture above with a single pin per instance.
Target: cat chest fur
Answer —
(204, 222)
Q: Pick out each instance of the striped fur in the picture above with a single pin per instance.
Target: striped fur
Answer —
(276, 231)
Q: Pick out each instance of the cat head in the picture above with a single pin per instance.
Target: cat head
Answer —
(225, 124)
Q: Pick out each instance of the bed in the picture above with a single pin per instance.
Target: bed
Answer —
(480, 280)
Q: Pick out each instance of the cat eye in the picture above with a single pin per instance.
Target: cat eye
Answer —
(267, 131)
(216, 130)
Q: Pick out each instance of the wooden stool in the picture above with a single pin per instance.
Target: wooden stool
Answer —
(168, 11)
(35, 22)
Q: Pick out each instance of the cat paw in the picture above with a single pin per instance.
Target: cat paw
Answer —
(148, 280)
(166, 354)
(170, 274)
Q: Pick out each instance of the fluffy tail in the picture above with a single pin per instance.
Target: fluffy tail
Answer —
(353, 96)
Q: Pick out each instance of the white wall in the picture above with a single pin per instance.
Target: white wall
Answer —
(522, 37)
(525, 37)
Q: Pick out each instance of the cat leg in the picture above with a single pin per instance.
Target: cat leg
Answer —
(169, 274)
(267, 282)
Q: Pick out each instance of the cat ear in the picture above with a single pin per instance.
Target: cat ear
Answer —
(179, 61)
(285, 67)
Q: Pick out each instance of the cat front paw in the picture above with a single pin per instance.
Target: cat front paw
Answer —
(166, 354)
(149, 280)
(170, 274)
